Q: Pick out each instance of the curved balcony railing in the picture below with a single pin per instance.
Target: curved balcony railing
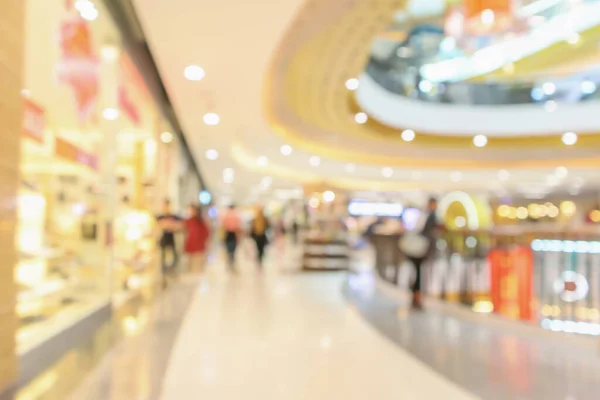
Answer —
(407, 82)
(401, 68)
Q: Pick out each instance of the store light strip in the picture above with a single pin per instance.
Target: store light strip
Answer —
(584, 328)
(565, 246)
(364, 208)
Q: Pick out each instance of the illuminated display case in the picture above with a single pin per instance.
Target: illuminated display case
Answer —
(89, 123)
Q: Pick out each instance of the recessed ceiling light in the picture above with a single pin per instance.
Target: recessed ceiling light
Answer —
(166, 137)
(456, 176)
(286, 150)
(263, 161)
(194, 73)
(350, 168)
(573, 38)
(110, 52)
(549, 88)
(228, 175)
(315, 161)
(387, 172)
(110, 114)
(588, 87)
(569, 138)
(361, 118)
(352, 84)
(328, 196)
(561, 172)
(408, 135)
(26, 92)
(503, 175)
(480, 140)
(87, 10)
(212, 154)
(211, 119)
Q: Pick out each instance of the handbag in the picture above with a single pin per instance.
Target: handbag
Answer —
(414, 245)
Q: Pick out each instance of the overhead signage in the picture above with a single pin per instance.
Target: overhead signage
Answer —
(70, 152)
(374, 209)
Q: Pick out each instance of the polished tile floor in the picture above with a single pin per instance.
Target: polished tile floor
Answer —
(280, 334)
(492, 358)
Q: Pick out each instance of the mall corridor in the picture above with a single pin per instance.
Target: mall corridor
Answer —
(265, 336)
(285, 334)
(421, 176)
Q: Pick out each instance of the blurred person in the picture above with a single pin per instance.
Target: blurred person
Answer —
(427, 231)
(370, 231)
(168, 223)
(197, 235)
(258, 233)
(232, 228)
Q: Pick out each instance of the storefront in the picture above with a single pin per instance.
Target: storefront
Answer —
(97, 159)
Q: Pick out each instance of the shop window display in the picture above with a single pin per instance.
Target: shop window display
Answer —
(88, 182)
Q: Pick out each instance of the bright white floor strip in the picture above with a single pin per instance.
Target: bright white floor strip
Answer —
(290, 337)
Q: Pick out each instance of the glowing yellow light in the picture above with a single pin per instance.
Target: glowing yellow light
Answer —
(534, 210)
(568, 208)
(522, 213)
(581, 312)
(509, 68)
(483, 307)
(543, 210)
(504, 211)
(555, 311)
(553, 211)
(314, 202)
(595, 216)
(547, 311)
(131, 326)
(512, 213)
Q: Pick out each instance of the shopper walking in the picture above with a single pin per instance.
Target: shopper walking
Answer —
(258, 232)
(232, 229)
(419, 246)
(168, 223)
(197, 235)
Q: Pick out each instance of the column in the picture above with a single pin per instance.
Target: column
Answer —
(12, 23)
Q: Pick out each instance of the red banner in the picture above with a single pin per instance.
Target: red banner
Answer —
(74, 154)
(34, 121)
(512, 281)
(79, 66)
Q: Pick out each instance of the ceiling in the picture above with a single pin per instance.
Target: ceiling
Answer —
(275, 73)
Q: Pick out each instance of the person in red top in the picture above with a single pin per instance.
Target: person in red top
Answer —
(197, 234)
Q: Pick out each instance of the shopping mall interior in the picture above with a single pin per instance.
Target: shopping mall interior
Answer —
(394, 199)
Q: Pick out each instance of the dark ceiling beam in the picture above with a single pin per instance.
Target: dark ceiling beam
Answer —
(124, 15)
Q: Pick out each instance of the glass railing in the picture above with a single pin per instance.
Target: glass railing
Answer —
(439, 74)
(407, 82)
(547, 278)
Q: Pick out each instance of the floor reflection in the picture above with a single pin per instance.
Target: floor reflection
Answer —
(490, 361)
(99, 367)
